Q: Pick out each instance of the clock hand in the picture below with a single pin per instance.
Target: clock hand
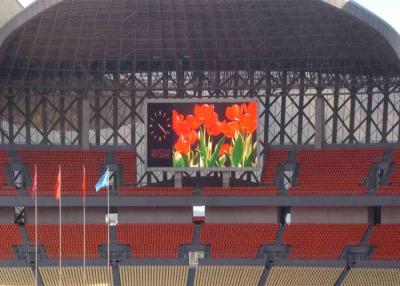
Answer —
(162, 129)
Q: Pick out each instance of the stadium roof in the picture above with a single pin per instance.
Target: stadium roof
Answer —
(156, 34)
(9, 8)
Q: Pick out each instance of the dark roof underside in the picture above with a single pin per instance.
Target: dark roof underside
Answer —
(122, 35)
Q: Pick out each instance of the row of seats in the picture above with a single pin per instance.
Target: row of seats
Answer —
(322, 172)
(321, 241)
(10, 237)
(204, 276)
(237, 240)
(154, 275)
(393, 188)
(240, 191)
(306, 241)
(71, 162)
(333, 172)
(72, 239)
(274, 159)
(155, 240)
(5, 189)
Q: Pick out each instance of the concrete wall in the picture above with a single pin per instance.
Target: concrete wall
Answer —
(155, 215)
(7, 215)
(8, 9)
(69, 215)
(344, 215)
(241, 215)
(390, 215)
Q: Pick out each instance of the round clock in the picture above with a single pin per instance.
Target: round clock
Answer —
(159, 126)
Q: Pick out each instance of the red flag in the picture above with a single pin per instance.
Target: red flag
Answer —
(84, 182)
(34, 183)
(58, 184)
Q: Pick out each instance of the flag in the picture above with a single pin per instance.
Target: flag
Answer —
(84, 182)
(104, 181)
(58, 184)
(34, 183)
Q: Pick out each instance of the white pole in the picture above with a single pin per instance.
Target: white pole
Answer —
(60, 238)
(84, 226)
(108, 220)
(36, 229)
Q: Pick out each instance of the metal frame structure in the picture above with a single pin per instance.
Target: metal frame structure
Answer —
(323, 71)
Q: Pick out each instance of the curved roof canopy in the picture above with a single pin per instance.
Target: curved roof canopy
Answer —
(53, 36)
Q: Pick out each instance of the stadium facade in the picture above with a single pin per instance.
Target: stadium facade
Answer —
(76, 77)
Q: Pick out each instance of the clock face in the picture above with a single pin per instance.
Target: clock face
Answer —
(160, 126)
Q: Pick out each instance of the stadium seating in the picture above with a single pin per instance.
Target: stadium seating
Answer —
(127, 159)
(394, 181)
(333, 172)
(153, 275)
(385, 239)
(71, 163)
(274, 159)
(240, 191)
(228, 275)
(5, 190)
(72, 239)
(303, 276)
(372, 277)
(17, 276)
(10, 236)
(237, 240)
(321, 241)
(154, 191)
(155, 241)
(95, 275)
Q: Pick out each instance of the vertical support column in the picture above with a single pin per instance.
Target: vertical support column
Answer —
(386, 94)
(302, 93)
(62, 118)
(337, 84)
(115, 118)
(285, 90)
(353, 94)
(370, 93)
(45, 120)
(28, 119)
(319, 116)
(85, 123)
(178, 180)
(268, 94)
(225, 180)
(319, 121)
(10, 103)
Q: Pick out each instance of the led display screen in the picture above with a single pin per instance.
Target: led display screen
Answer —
(202, 134)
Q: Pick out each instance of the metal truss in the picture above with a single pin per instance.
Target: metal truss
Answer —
(115, 54)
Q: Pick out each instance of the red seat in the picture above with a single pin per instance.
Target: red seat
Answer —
(72, 239)
(5, 189)
(321, 241)
(154, 191)
(334, 172)
(240, 191)
(393, 189)
(71, 162)
(237, 240)
(274, 159)
(127, 159)
(10, 236)
(385, 239)
(155, 241)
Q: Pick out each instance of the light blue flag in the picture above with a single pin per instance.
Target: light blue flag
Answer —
(104, 181)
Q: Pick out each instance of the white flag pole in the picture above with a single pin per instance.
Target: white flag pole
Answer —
(60, 222)
(84, 226)
(108, 216)
(36, 228)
